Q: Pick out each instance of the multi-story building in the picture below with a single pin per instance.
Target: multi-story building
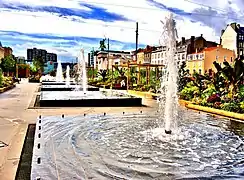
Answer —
(1, 52)
(51, 57)
(158, 55)
(188, 46)
(202, 61)
(140, 56)
(183, 48)
(33, 53)
(148, 54)
(105, 60)
(7, 51)
(232, 37)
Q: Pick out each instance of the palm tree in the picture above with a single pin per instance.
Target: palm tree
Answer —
(233, 76)
(104, 74)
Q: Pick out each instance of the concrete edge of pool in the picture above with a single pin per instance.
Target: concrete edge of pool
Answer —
(66, 89)
(233, 115)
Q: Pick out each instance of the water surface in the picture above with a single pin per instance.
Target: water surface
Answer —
(129, 146)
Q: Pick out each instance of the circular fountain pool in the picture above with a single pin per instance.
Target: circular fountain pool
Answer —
(130, 146)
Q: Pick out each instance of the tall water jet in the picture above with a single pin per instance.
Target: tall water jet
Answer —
(168, 104)
(67, 75)
(81, 72)
(59, 73)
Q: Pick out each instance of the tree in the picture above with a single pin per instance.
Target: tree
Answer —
(233, 75)
(38, 62)
(183, 76)
(104, 74)
(8, 63)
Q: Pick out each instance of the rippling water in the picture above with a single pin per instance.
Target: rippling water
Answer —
(130, 146)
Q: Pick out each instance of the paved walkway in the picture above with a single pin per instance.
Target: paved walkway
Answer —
(15, 117)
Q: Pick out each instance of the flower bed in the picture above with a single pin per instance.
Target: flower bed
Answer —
(6, 88)
(6, 83)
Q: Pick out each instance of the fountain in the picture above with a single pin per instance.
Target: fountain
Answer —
(84, 96)
(67, 76)
(134, 145)
(59, 85)
(168, 90)
(81, 73)
(59, 73)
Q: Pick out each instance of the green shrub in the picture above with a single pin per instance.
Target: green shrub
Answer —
(208, 92)
(241, 91)
(232, 107)
(189, 91)
(242, 106)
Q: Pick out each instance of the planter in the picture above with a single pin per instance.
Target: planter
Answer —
(4, 89)
(216, 111)
(147, 95)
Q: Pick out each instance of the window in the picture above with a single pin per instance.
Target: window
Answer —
(191, 57)
(241, 45)
(162, 55)
(200, 63)
(200, 71)
(194, 65)
(224, 58)
(217, 57)
(201, 56)
(197, 56)
(158, 55)
(183, 56)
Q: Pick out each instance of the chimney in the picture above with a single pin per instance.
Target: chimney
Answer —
(234, 26)
(201, 35)
(238, 26)
(183, 40)
(222, 32)
(192, 38)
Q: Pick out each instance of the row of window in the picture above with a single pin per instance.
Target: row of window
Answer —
(195, 56)
(194, 64)
(163, 54)
(241, 37)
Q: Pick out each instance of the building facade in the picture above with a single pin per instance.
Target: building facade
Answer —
(1, 53)
(159, 55)
(232, 37)
(33, 53)
(148, 54)
(51, 57)
(105, 60)
(201, 62)
(7, 51)
(192, 45)
(140, 56)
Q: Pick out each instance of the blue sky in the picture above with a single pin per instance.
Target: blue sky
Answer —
(65, 26)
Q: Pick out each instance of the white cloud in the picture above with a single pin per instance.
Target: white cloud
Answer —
(149, 17)
(57, 3)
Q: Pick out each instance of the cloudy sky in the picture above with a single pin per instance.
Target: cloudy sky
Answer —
(64, 26)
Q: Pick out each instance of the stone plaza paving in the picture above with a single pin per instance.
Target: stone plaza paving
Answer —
(15, 117)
